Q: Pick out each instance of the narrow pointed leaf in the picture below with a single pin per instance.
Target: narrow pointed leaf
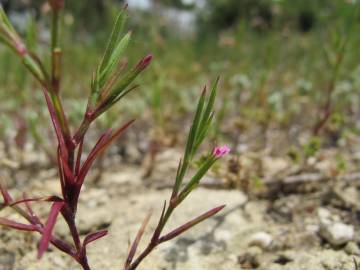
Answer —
(33, 67)
(95, 90)
(211, 101)
(191, 224)
(189, 148)
(56, 123)
(49, 226)
(197, 177)
(94, 236)
(6, 41)
(203, 132)
(194, 127)
(125, 81)
(115, 57)
(67, 171)
(177, 181)
(30, 210)
(114, 37)
(136, 242)
(16, 225)
(4, 18)
(111, 80)
(61, 171)
(42, 199)
(101, 145)
(158, 229)
(78, 158)
(124, 93)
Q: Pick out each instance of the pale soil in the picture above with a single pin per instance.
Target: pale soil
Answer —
(122, 198)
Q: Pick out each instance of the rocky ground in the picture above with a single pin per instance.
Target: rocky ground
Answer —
(296, 222)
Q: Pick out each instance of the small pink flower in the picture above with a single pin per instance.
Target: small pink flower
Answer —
(220, 151)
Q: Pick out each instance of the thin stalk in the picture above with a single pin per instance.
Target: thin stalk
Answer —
(142, 256)
(84, 263)
(80, 133)
(155, 242)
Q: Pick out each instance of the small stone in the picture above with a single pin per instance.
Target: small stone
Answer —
(324, 216)
(352, 248)
(261, 239)
(337, 233)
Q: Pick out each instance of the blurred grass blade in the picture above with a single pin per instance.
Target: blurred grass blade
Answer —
(356, 265)
(34, 68)
(190, 224)
(4, 18)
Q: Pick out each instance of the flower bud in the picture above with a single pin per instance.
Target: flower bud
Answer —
(220, 151)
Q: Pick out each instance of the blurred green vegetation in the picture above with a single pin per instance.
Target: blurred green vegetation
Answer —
(277, 61)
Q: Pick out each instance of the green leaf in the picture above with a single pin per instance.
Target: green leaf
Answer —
(5, 19)
(5, 41)
(203, 132)
(207, 116)
(34, 68)
(115, 35)
(95, 89)
(114, 58)
(211, 102)
(189, 151)
(194, 128)
(195, 180)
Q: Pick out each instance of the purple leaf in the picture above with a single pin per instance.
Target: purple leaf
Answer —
(94, 236)
(137, 240)
(78, 158)
(30, 211)
(42, 199)
(105, 140)
(190, 224)
(67, 171)
(18, 226)
(50, 223)
(57, 126)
